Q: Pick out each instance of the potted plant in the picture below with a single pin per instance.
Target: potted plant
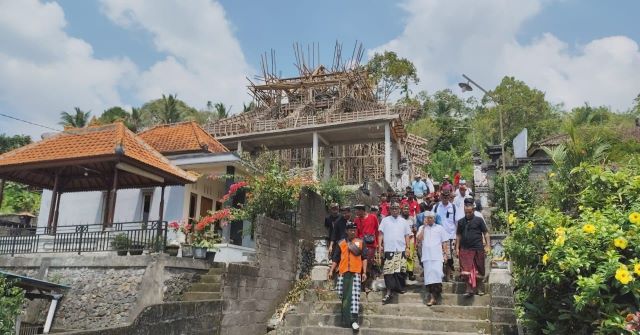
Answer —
(136, 248)
(121, 244)
(186, 229)
(205, 244)
(172, 248)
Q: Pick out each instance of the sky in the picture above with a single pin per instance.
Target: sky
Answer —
(57, 55)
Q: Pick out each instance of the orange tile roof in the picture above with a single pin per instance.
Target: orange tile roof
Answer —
(181, 138)
(94, 142)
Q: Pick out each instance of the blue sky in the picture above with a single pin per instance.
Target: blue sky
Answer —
(55, 55)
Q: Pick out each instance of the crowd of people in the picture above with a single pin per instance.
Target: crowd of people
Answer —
(430, 225)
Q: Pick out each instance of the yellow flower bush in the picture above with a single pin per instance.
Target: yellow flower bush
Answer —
(634, 218)
(623, 275)
(589, 228)
(530, 225)
(560, 231)
(636, 269)
(620, 242)
(545, 259)
(512, 218)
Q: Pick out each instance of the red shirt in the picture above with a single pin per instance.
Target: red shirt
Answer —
(414, 207)
(368, 225)
(384, 209)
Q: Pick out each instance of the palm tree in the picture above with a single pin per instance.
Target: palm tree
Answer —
(246, 108)
(134, 120)
(79, 120)
(221, 110)
(169, 112)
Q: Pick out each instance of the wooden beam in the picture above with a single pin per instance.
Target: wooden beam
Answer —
(54, 199)
(56, 214)
(161, 214)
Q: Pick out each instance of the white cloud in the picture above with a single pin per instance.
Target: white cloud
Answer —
(447, 38)
(44, 71)
(204, 60)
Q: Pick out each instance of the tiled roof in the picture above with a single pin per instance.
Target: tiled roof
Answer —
(181, 137)
(97, 142)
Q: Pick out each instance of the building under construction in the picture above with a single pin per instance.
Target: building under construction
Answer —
(327, 119)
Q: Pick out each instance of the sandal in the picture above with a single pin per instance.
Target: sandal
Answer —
(431, 302)
(386, 299)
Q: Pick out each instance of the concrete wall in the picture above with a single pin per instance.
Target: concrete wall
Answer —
(184, 318)
(252, 292)
(106, 291)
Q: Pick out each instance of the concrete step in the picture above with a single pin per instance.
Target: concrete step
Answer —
(205, 287)
(197, 296)
(210, 278)
(418, 309)
(412, 298)
(392, 321)
(216, 271)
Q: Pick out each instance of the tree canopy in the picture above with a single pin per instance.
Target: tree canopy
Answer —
(390, 73)
(79, 119)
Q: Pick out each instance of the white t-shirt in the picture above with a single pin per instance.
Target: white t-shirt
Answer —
(394, 231)
(458, 201)
(432, 238)
(448, 221)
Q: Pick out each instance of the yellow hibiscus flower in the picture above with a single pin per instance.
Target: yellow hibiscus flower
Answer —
(634, 218)
(560, 240)
(636, 269)
(560, 231)
(623, 276)
(545, 259)
(620, 242)
(530, 225)
(551, 175)
(512, 218)
(589, 228)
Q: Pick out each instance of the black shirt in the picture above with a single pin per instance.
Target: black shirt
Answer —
(328, 223)
(470, 231)
(339, 230)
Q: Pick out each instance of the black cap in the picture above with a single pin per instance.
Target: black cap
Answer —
(351, 225)
(360, 206)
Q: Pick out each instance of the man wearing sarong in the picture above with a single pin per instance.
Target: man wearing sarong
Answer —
(394, 242)
(367, 230)
(433, 241)
(350, 259)
(472, 241)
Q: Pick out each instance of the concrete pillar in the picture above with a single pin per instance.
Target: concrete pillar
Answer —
(387, 152)
(239, 151)
(315, 155)
(395, 160)
(327, 163)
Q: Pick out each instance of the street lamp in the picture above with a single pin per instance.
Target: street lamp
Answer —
(467, 88)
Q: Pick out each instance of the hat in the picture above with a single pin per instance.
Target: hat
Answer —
(446, 176)
(463, 182)
(351, 225)
(345, 208)
(374, 208)
(334, 205)
(360, 206)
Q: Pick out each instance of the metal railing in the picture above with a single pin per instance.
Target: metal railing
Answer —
(140, 236)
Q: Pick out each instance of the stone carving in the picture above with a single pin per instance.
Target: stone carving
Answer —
(479, 177)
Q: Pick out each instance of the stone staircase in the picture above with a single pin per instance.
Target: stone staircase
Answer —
(319, 313)
(209, 287)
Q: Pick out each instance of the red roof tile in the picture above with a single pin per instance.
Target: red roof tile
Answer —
(181, 137)
(93, 143)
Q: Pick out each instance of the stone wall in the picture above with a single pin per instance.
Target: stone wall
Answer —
(252, 292)
(106, 291)
(185, 318)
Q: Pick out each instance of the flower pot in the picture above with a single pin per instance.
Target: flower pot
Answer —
(199, 253)
(136, 249)
(172, 250)
(210, 256)
(187, 251)
(122, 252)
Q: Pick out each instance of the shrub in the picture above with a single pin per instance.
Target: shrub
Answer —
(11, 299)
(332, 191)
(580, 272)
(522, 194)
(121, 242)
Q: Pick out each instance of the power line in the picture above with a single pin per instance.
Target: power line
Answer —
(29, 122)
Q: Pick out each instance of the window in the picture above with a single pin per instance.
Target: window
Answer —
(147, 197)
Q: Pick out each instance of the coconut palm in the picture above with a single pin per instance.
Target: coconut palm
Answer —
(78, 120)
(221, 110)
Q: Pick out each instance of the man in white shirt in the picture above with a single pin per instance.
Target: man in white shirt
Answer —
(433, 241)
(447, 212)
(419, 188)
(394, 245)
(461, 193)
